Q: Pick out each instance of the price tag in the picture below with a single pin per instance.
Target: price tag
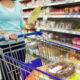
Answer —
(57, 68)
(67, 31)
(74, 32)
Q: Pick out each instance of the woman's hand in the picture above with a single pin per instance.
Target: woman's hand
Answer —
(33, 25)
(13, 36)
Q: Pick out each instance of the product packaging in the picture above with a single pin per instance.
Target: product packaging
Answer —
(33, 17)
(77, 10)
(74, 41)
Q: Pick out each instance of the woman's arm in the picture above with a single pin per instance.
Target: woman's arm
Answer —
(22, 23)
(12, 36)
(3, 32)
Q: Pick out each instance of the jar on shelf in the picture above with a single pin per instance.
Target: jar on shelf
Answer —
(53, 24)
(69, 40)
(66, 11)
(57, 37)
(78, 43)
(52, 12)
(47, 11)
(62, 11)
(71, 11)
(74, 41)
(77, 10)
(61, 26)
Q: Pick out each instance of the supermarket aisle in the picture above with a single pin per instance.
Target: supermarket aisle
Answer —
(59, 45)
(60, 24)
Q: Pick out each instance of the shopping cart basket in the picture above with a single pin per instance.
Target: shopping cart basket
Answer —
(13, 66)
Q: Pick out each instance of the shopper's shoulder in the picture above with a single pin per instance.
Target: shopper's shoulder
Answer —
(18, 3)
(0, 2)
(0, 6)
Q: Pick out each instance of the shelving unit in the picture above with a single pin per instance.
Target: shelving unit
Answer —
(22, 0)
(60, 39)
(67, 2)
(60, 44)
(60, 30)
(58, 16)
(65, 45)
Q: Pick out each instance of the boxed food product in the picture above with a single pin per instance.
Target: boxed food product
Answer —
(75, 76)
(47, 11)
(71, 11)
(74, 41)
(48, 24)
(43, 24)
(77, 10)
(66, 11)
(62, 69)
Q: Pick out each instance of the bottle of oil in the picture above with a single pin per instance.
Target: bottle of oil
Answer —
(33, 17)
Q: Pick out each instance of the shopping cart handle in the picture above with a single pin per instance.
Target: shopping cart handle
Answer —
(29, 34)
(22, 35)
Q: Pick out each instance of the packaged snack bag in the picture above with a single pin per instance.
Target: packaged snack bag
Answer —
(76, 76)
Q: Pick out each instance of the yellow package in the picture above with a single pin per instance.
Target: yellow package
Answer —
(76, 76)
(33, 17)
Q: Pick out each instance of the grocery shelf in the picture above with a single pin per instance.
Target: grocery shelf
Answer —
(65, 45)
(59, 44)
(60, 30)
(55, 3)
(29, 7)
(58, 16)
(28, 16)
(64, 16)
(25, 16)
(21, 0)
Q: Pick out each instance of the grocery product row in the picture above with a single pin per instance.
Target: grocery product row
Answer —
(66, 11)
(58, 11)
(59, 51)
(39, 2)
(63, 25)
(64, 38)
(65, 62)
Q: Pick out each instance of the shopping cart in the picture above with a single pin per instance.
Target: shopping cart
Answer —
(14, 67)
(55, 52)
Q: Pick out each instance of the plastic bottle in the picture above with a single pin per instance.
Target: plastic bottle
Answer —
(33, 17)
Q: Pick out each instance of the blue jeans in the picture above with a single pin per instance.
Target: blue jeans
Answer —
(21, 53)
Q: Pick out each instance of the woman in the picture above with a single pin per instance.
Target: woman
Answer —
(11, 22)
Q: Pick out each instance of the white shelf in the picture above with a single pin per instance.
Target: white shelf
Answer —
(28, 16)
(58, 43)
(65, 45)
(58, 16)
(29, 7)
(64, 16)
(60, 30)
(21, 0)
(54, 4)
(25, 16)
